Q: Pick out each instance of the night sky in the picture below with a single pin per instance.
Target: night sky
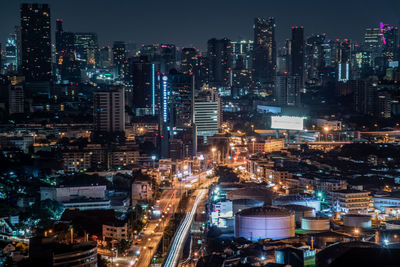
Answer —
(192, 23)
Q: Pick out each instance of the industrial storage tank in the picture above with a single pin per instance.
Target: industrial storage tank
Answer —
(300, 211)
(393, 225)
(264, 222)
(255, 193)
(242, 204)
(357, 220)
(303, 200)
(315, 223)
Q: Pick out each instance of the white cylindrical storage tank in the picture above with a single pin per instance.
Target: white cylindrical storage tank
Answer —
(315, 223)
(300, 211)
(259, 194)
(264, 222)
(357, 220)
(303, 200)
(393, 225)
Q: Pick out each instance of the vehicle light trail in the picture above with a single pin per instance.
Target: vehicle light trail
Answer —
(181, 234)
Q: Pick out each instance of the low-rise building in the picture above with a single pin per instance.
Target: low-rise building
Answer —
(141, 191)
(349, 200)
(116, 231)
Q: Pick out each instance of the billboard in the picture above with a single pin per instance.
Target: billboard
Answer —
(287, 123)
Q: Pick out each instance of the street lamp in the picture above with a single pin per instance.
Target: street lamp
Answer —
(253, 140)
(213, 149)
(326, 129)
(153, 159)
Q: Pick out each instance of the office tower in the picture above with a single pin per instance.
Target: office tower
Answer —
(219, 53)
(167, 57)
(119, 59)
(201, 72)
(152, 52)
(68, 68)
(264, 52)
(10, 54)
(343, 56)
(105, 57)
(188, 60)
(390, 39)
(297, 52)
(242, 54)
(241, 82)
(314, 57)
(36, 42)
(142, 76)
(287, 90)
(283, 58)
(131, 48)
(15, 99)
(109, 110)
(365, 92)
(86, 47)
(207, 113)
(176, 107)
(373, 44)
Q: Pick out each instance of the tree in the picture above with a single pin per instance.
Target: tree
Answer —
(8, 262)
(123, 246)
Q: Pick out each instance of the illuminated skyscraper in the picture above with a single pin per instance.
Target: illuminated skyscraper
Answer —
(105, 57)
(390, 39)
(219, 53)
(314, 57)
(10, 60)
(242, 54)
(264, 51)
(36, 42)
(86, 46)
(142, 76)
(167, 57)
(189, 60)
(176, 109)
(68, 67)
(207, 113)
(297, 52)
(119, 59)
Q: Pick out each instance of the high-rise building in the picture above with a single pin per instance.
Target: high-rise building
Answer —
(201, 71)
(142, 76)
(373, 44)
(15, 99)
(219, 53)
(10, 60)
(297, 53)
(287, 90)
(314, 57)
(207, 113)
(119, 59)
(264, 51)
(86, 47)
(390, 39)
(167, 57)
(36, 42)
(105, 57)
(188, 60)
(68, 68)
(109, 110)
(176, 108)
(343, 55)
(242, 54)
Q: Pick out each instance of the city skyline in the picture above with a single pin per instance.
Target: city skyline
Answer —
(186, 28)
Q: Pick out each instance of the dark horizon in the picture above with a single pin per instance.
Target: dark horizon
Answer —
(188, 25)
